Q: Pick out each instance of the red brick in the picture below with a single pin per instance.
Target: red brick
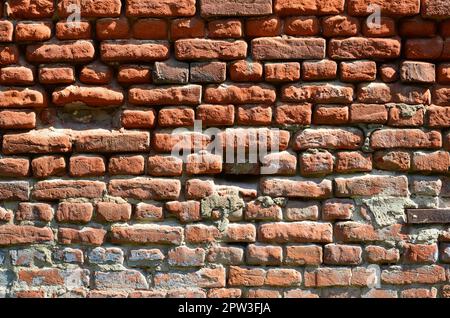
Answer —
(316, 7)
(96, 73)
(133, 51)
(85, 236)
(386, 28)
(358, 71)
(164, 166)
(22, 98)
(158, 8)
(420, 253)
(91, 8)
(134, 74)
(9, 54)
(203, 163)
(87, 95)
(434, 162)
(36, 142)
(392, 160)
(211, 8)
(328, 277)
(280, 163)
(317, 163)
(380, 255)
(303, 255)
(296, 189)
(208, 72)
(56, 75)
(47, 166)
(405, 138)
(110, 29)
(389, 73)
(226, 255)
(371, 185)
(135, 119)
(265, 26)
(201, 234)
(146, 234)
(240, 94)
(406, 116)
(254, 115)
(15, 234)
(239, 276)
(148, 212)
(14, 190)
(69, 212)
(298, 232)
(319, 70)
(215, 115)
(244, 233)
(435, 9)
(73, 31)
(34, 212)
(188, 211)
(303, 26)
(340, 25)
(244, 71)
(424, 49)
(278, 48)
(150, 29)
(264, 255)
(14, 167)
(282, 72)
(110, 142)
(337, 209)
(350, 162)
(183, 256)
(293, 114)
(225, 29)
(396, 9)
(113, 212)
(86, 166)
(441, 95)
(71, 52)
(421, 275)
(64, 189)
(199, 49)
(145, 188)
(282, 277)
(165, 95)
(16, 119)
(198, 189)
(417, 28)
(345, 138)
(321, 93)
(31, 9)
(176, 117)
(419, 293)
(443, 73)
(362, 48)
(187, 28)
(35, 31)
(354, 232)
(335, 254)
(330, 115)
(16, 75)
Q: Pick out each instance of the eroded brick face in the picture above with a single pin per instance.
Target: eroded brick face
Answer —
(350, 199)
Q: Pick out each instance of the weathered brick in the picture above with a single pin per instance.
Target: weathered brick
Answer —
(165, 95)
(296, 189)
(160, 8)
(405, 138)
(110, 142)
(74, 212)
(211, 8)
(288, 49)
(315, 7)
(298, 232)
(198, 49)
(145, 188)
(15, 234)
(71, 52)
(85, 236)
(133, 51)
(371, 185)
(396, 9)
(147, 234)
(324, 93)
(65, 189)
(363, 48)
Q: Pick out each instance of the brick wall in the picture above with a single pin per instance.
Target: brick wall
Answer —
(94, 203)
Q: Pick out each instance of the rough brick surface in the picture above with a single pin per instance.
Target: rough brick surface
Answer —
(224, 148)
